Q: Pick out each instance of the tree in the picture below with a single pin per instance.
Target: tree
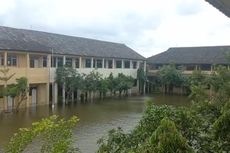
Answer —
(141, 77)
(91, 82)
(55, 135)
(111, 83)
(170, 77)
(18, 91)
(123, 83)
(166, 138)
(5, 78)
(70, 79)
(103, 87)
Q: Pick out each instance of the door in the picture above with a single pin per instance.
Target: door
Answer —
(34, 97)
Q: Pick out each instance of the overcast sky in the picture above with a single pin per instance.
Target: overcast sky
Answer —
(147, 26)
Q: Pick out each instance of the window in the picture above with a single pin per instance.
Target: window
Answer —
(1, 59)
(34, 61)
(77, 63)
(118, 64)
(205, 67)
(44, 61)
(190, 67)
(59, 61)
(88, 63)
(134, 82)
(127, 64)
(68, 62)
(134, 64)
(32, 65)
(110, 64)
(99, 63)
(12, 60)
(54, 62)
(94, 63)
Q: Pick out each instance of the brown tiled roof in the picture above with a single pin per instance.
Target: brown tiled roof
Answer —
(192, 55)
(36, 41)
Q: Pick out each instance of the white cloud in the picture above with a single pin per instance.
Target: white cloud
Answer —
(148, 27)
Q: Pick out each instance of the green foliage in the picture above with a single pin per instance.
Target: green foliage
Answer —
(171, 77)
(198, 93)
(203, 127)
(186, 122)
(166, 138)
(70, 78)
(54, 133)
(141, 77)
(123, 83)
(92, 82)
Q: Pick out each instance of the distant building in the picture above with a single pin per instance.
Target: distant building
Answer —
(36, 55)
(190, 58)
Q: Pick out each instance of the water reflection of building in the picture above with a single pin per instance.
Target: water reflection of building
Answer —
(36, 55)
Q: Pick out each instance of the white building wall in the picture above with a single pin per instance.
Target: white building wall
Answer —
(103, 71)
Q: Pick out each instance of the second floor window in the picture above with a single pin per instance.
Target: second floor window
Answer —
(53, 61)
(77, 65)
(110, 64)
(99, 63)
(44, 61)
(68, 62)
(11, 60)
(60, 61)
(1, 60)
(118, 64)
(134, 64)
(88, 63)
(127, 64)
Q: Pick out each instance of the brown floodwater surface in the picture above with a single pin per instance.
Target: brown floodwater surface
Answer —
(96, 118)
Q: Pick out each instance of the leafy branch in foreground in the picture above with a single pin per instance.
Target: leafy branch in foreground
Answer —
(54, 133)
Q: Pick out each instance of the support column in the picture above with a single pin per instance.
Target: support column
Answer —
(122, 64)
(64, 60)
(5, 58)
(55, 93)
(80, 62)
(48, 81)
(131, 64)
(92, 62)
(103, 63)
(144, 66)
(28, 85)
(113, 63)
(5, 85)
(63, 94)
(138, 64)
(144, 90)
(73, 63)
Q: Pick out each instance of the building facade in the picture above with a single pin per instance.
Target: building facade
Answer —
(36, 56)
(190, 59)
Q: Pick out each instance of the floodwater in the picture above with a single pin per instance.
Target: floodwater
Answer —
(96, 118)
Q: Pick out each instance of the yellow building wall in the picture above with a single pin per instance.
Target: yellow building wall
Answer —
(42, 94)
(21, 59)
